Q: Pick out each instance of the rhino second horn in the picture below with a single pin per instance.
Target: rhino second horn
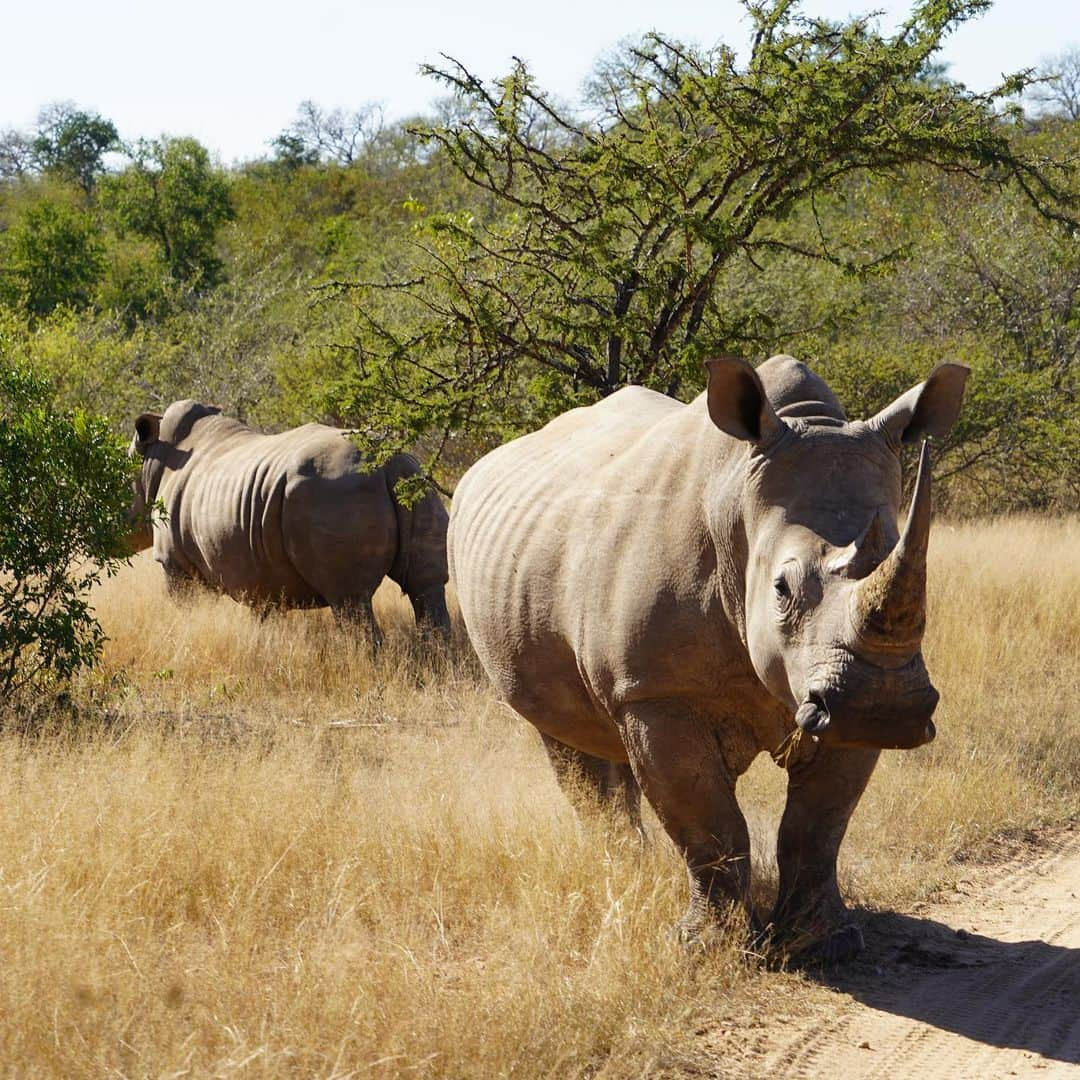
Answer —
(864, 554)
(890, 604)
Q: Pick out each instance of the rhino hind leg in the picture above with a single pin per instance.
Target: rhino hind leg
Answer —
(810, 919)
(678, 763)
(591, 782)
(359, 612)
(348, 591)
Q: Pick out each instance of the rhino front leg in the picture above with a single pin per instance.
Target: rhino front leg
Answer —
(179, 586)
(607, 784)
(810, 916)
(676, 758)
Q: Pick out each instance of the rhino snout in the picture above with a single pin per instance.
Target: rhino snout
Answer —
(877, 714)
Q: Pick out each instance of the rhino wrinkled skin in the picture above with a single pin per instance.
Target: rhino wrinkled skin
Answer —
(295, 519)
(667, 590)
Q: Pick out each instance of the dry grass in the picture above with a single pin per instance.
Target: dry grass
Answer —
(221, 882)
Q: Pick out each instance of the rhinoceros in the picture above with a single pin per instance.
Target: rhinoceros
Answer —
(666, 590)
(296, 519)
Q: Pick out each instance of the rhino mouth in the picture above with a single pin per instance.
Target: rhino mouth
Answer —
(906, 725)
(813, 715)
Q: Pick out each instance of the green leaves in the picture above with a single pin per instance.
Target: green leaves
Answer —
(65, 490)
(71, 143)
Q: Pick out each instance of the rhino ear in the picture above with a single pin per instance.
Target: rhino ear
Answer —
(738, 405)
(929, 409)
(147, 429)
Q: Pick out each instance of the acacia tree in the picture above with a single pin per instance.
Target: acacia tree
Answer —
(611, 227)
(16, 154)
(1058, 91)
(990, 285)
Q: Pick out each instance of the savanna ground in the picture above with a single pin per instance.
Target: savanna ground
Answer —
(277, 856)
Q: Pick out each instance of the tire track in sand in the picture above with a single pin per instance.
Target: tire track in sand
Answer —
(986, 985)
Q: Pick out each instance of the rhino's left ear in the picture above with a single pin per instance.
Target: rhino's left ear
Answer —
(929, 409)
(147, 429)
(737, 401)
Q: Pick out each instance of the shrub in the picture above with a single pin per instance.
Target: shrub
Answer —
(64, 497)
(55, 257)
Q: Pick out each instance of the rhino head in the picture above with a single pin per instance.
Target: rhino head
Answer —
(835, 591)
(141, 536)
(153, 444)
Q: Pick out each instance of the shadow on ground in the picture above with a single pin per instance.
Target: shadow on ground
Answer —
(1023, 995)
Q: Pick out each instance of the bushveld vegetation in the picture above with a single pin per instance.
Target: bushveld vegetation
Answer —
(279, 856)
(451, 280)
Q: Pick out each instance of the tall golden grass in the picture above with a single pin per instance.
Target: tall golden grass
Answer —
(282, 857)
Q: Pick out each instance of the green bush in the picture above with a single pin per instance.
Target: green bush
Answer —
(135, 286)
(65, 490)
(1015, 446)
(54, 256)
(174, 196)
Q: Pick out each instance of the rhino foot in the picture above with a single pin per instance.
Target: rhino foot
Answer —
(836, 948)
(698, 931)
(786, 948)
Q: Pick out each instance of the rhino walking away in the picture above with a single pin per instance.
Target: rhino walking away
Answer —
(295, 519)
(667, 590)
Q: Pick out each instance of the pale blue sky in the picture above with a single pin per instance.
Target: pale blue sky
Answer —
(232, 73)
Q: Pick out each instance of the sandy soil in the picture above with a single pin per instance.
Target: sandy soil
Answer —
(982, 983)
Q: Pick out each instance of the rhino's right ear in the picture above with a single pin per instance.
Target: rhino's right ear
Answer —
(147, 429)
(929, 409)
(737, 401)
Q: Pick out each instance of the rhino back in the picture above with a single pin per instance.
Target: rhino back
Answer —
(278, 517)
(582, 562)
(796, 391)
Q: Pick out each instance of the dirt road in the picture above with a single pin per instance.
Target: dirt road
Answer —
(983, 984)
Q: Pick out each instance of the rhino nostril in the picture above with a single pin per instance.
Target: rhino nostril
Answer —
(813, 715)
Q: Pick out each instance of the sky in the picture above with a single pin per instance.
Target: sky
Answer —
(233, 73)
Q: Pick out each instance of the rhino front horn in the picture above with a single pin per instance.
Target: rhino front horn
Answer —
(890, 604)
